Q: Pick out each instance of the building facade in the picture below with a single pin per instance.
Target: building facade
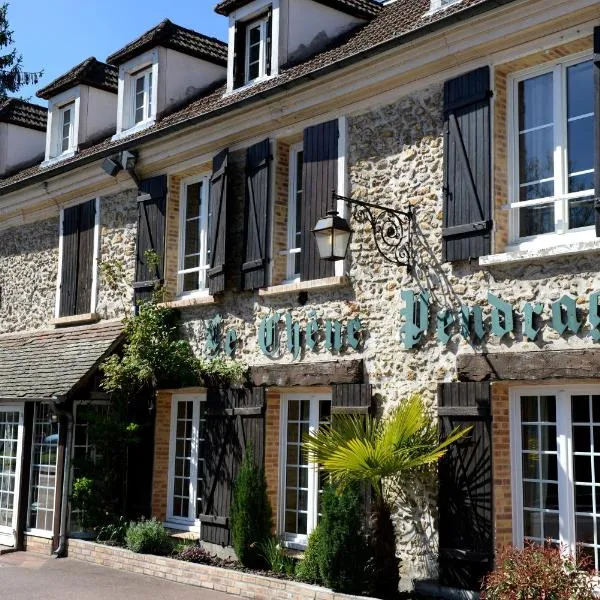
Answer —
(482, 117)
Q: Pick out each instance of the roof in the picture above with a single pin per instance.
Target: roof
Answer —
(173, 36)
(365, 9)
(90, 72)
(24, 114)
(45, 364)
(398, 23)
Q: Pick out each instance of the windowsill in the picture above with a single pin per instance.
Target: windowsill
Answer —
(84, 319)
(186, 301)
(56, 159)
(189, 528)
(135, 129)
(249, 85)
(516, 256)
(39, 534)
(304, 286)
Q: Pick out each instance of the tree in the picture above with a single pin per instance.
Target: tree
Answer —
(12, 75)
(380, 452)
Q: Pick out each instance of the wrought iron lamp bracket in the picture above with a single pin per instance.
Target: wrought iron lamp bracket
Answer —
(392, 229)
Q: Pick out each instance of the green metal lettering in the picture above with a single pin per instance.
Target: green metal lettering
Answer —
(312, 328)
(230, 342)
(333, 335)
(353, 333)
(564, 315)
(445, 319)
(416, 315)
(502, 316)
(213, 334)
(471, 323)
(594, 316)
(529, 312)
(268, 335)
(293, 335)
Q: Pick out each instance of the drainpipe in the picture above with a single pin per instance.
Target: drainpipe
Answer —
(64, 501)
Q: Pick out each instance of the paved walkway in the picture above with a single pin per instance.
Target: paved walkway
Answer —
(28, 576)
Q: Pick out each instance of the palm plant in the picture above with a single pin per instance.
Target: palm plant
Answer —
(381, 453)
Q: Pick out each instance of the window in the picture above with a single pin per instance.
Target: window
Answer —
(553, 153)
(186, 464)
(256, 49)
(301, 482)
(142, 96)
(194, 243)
(556, 435)
(294, 222)
(66, 128)
(43, 470)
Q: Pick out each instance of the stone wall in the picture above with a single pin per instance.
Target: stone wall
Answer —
(28, 272)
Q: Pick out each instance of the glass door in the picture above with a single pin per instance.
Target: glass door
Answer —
(11, 441)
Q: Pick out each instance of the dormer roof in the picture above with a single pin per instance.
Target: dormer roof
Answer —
(175, 37)
(363, 9)
(24, 114)
(90, 72)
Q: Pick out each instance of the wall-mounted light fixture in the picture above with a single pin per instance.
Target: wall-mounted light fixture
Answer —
(126, 160)
(391, 231)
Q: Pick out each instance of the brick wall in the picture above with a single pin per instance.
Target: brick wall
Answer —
(39, 545)
(501, 128)
(232, 582)
(272, 449)
(162, 433)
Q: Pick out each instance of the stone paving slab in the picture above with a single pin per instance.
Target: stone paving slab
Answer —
(28, 576)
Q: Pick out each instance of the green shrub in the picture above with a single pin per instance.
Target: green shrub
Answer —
(308, 569)
(148, 537)
(113, 533)
(251, 516)
(538, 572)
(343, 551)
(275, 557)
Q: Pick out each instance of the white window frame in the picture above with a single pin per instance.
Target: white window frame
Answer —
(299, 541)
(203, 223)
(148, 91)
(43, 533)
(95, 259)
(562, 235)
(291, 251)
(262, 59)
(192, 523)
(567, 531)
(62, 111)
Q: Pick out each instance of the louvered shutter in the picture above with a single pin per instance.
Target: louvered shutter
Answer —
(467, 228)
(77, 259)
(217, 223)
(150, 236)
(319, 180)
(269, 42)
(597, 126)
(351, 398)
(257, 216)
(234, 421)
(466, 527)
(239, 55)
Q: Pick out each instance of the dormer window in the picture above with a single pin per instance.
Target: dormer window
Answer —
(142, 97)
(66, 115)
(256, 49)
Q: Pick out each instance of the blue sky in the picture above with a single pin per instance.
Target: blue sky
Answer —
(57, 35)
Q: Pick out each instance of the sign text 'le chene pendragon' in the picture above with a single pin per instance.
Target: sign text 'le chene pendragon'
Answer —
(565, 317)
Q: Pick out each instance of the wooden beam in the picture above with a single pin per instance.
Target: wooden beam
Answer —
(307, 374)
(529, 366)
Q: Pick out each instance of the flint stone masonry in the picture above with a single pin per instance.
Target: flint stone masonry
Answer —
(28, 271)
(235, 583)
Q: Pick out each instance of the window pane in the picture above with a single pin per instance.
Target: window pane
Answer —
(535, 102)
(536, 155)
(254, 33)
(192, 238)
(535, 220)
(193, 200)
(180, 486)
(580, 89)
(529, 409)
(580, 145)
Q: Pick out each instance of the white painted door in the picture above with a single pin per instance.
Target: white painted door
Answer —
(11, 442)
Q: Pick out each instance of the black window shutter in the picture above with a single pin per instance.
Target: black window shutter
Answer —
(234, 420)
(319, 180)
(239, 55)
(351, 398)
(77, 259)
(467, 231)
(257, 216)
(269, 41)
(597, 125)
(466, 525)
(217, 223)
(150, 236)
